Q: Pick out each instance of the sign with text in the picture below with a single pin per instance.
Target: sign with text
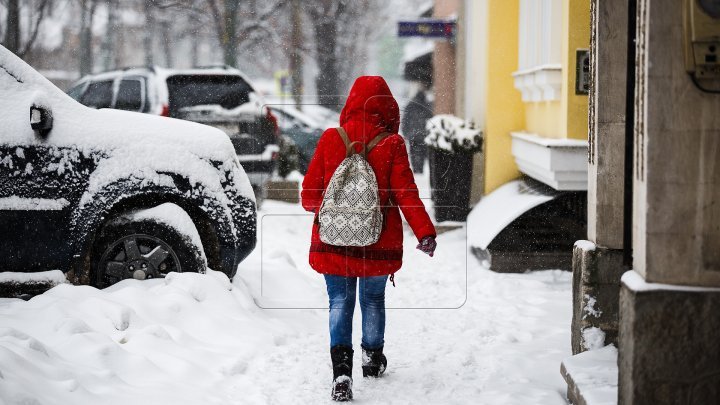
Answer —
(427, 28)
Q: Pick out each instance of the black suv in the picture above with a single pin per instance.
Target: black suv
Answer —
(218, 96)
(106, 195)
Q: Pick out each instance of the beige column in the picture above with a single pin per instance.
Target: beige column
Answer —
(607, 123)
(444, 64)
(677, 160)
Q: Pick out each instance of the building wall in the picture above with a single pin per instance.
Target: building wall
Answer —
(606, 171)
(505, 44)
(472, 42)
(561, 114)
(444, 66)
(505, 111)
(676, 237)
(544, 118)
(576, 35)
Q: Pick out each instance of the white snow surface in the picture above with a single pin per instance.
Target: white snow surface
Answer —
(498, 209)
(416, 47)
(456, 333)
(595, 373)
(585, 245)
(590, 307)
(634, 281)
(172, 215)
(31, 204)
(448, 132)
(593, 338)
(51, 276)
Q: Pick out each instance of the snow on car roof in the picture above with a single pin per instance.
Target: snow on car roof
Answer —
(164, 142)
(297, 114)
(215, 71)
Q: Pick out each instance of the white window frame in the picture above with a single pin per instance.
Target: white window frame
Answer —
(539, 74)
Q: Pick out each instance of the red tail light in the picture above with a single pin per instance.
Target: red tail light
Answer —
(165, 112)
(273, 119)
(275, 155)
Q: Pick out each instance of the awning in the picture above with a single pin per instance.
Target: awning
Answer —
(500, 208)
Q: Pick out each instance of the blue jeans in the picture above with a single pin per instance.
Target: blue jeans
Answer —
(341, 291)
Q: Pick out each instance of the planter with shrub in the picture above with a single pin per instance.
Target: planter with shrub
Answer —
(452, 143)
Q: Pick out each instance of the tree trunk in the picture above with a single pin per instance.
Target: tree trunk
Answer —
(148, 34)
(12, 36)
(108, 46)
(86, 22)
(229, 38)
(327, 80)
(194, 50)
(167, 45)
(296, 59)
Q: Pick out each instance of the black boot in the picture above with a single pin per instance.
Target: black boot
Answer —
(374, 362)
(342, 361)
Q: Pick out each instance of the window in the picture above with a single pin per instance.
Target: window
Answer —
(77, 91)
(130, 95)
(539, 60)
(226, 91)
(98, 94)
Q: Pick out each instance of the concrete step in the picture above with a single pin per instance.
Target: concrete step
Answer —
(592, 377)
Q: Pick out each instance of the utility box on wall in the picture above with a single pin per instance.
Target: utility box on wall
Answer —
(702, 43)
(582, 72)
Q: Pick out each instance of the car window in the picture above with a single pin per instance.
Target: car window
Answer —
(227, 91)
(98, 94)
(130, 95)
(77, 91)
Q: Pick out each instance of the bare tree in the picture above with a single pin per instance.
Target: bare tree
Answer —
(324, 16)
(295, 55)
(341, 30)
(109, 54)
(13, 35)
(360, 24)
(87, 13)
(232, 35)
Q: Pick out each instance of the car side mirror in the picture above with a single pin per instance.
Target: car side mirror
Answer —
(41, 119)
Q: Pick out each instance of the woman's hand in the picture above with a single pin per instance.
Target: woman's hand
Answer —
(427, 245)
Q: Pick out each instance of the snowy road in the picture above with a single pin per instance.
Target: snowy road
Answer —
(456, 334)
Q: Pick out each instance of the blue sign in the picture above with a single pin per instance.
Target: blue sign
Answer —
(427, 28)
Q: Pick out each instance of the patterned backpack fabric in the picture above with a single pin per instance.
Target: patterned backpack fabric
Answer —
(350, 214)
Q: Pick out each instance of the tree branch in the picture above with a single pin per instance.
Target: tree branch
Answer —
(33, 36)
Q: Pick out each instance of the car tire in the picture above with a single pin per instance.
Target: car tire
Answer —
(142, 249)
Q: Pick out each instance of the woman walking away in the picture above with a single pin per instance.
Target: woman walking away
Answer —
(356, 184)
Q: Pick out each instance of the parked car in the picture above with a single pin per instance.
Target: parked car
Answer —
(107, 195)
(221, 97)
(322, 114)
(303, 130)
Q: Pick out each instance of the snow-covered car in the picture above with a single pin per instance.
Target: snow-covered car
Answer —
(106, 195)
(222, 97)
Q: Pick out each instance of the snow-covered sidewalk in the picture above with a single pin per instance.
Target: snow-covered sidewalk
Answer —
(456, 333)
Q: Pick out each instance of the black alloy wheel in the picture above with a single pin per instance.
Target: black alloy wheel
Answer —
(142, 250)
(137, 256)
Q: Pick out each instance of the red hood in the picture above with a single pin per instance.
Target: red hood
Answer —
(370, 109)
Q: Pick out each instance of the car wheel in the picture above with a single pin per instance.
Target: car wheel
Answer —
(142, 250)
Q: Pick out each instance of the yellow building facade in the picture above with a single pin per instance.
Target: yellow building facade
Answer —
(521, 64)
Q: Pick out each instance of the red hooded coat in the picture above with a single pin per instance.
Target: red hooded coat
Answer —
(369, 111)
